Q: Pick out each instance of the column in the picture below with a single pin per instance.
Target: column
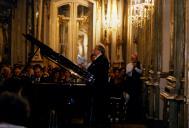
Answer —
(178, 45)
(157, 37)
(178, 60)
(186, 106)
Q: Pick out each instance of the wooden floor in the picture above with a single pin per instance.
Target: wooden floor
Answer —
(123, 125)
(78, 123)
(128, 126)
(112, 126)
(140, 124)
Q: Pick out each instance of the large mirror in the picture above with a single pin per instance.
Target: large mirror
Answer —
(73, 34)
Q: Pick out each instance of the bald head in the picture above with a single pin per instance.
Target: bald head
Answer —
(134, 57)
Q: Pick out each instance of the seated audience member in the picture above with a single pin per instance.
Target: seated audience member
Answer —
(14, 83)
(123, 73)
(45, 72)
(38, 75)
(61, 75)
(29, 71)
(28, 74)
(5, 74)
(68, 77)
(92, 58)
(9, 81)
(54, 78)
(116, 81)
(16, 71)
(14, 111)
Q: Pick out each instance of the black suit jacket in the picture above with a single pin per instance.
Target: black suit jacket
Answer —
(99, 68)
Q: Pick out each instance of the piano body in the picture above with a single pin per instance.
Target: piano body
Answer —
(60, 60)
(53, 101)
(57, 104)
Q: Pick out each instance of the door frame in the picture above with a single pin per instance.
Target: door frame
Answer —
(53, 27)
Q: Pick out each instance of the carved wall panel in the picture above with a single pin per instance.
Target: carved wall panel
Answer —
(112, 28)
(5, 29)
(18, 45)
(186, 67)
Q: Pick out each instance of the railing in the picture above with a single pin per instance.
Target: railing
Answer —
(173, 105)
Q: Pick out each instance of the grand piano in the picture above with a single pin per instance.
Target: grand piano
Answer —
(53, 104)
(60, 60)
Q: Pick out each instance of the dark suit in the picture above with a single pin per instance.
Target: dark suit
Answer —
(134, 89)
(99, 68)
(42, 79)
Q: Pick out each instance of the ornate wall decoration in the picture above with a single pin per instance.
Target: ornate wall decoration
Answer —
(6, 14)
(112, 11)
(140, 26)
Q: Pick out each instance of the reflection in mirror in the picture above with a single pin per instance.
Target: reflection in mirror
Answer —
(63, 13)
(64, 10)
(63, 37)
(82, 31)
(82, 11)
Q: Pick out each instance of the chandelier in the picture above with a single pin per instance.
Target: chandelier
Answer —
(140, 10)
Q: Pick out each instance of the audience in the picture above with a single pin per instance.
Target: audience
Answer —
(125, 81)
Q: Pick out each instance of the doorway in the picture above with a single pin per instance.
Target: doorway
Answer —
(71, 29)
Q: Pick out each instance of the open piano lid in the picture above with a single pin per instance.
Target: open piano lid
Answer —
(60, 60)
